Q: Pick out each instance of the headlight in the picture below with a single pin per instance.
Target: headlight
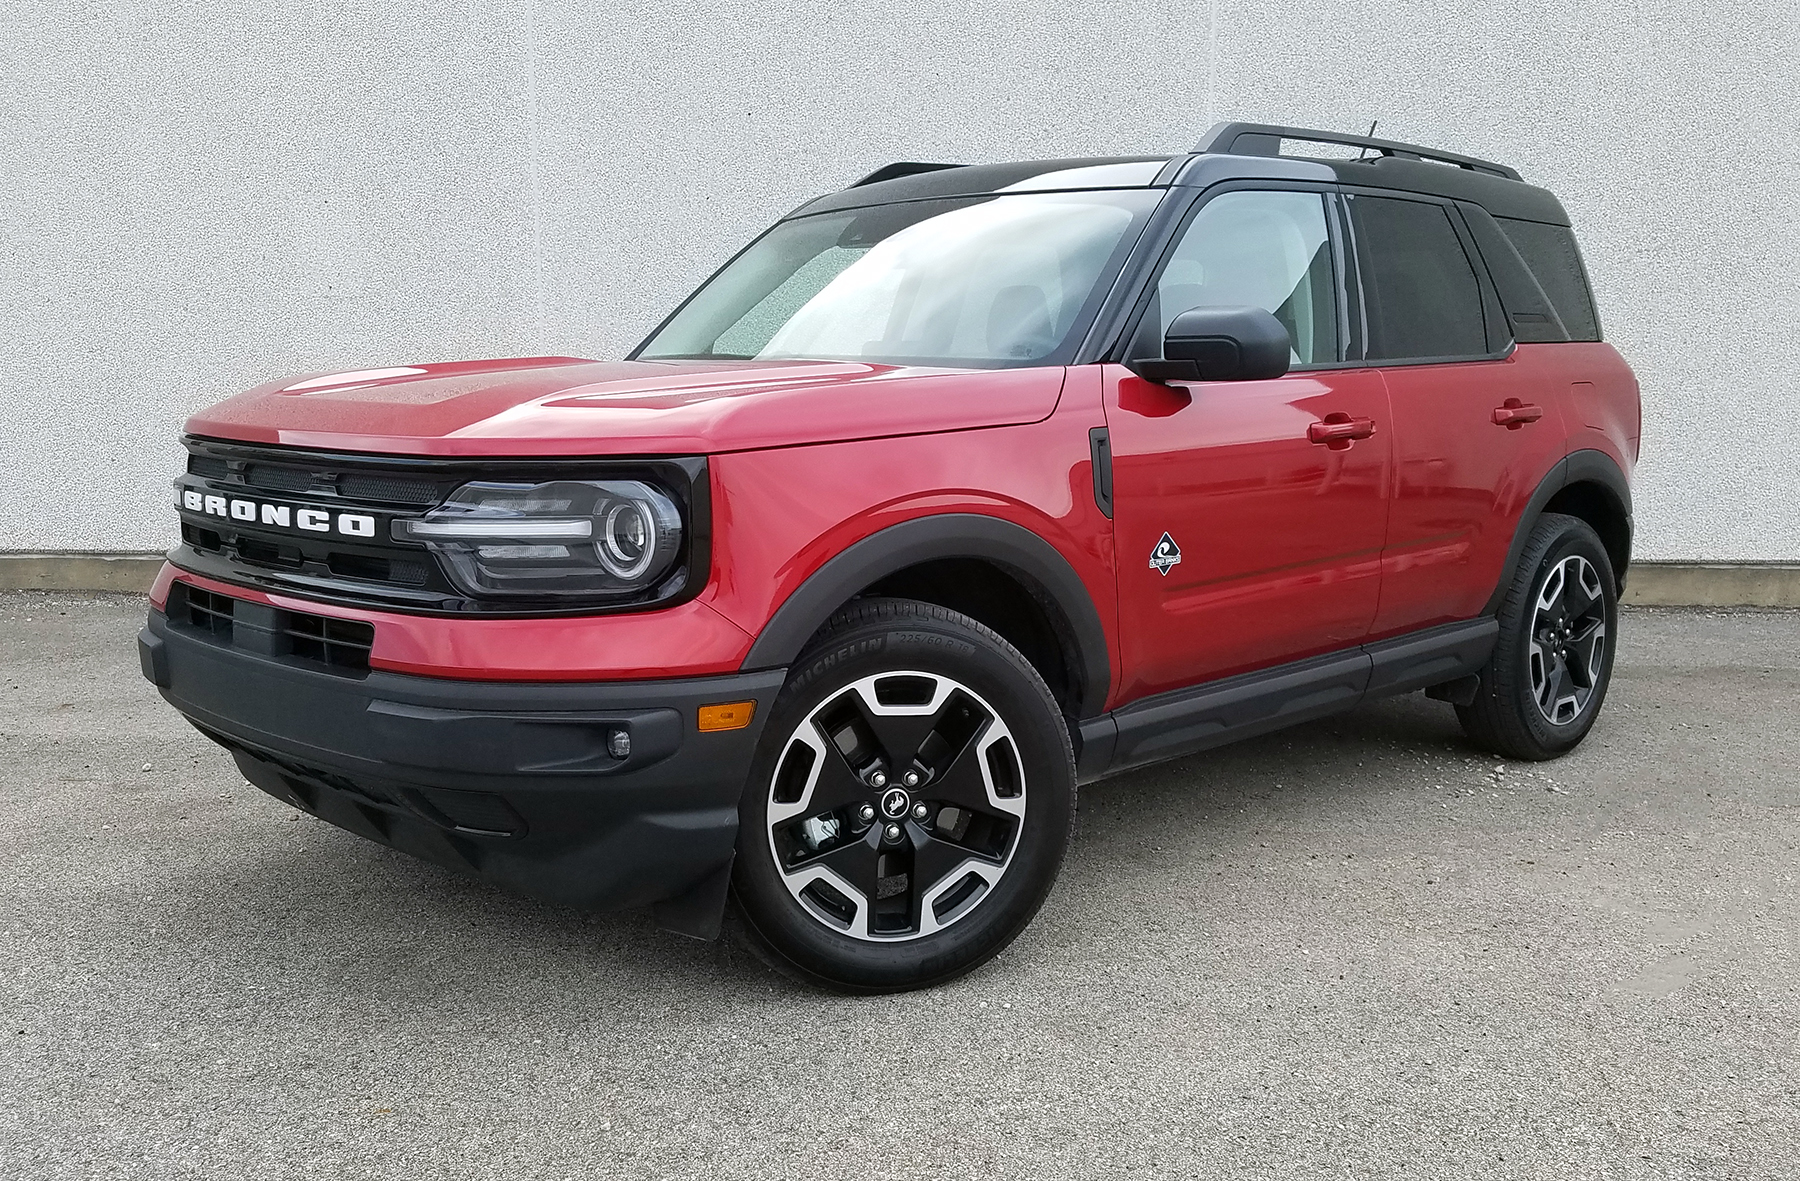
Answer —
(587, 539)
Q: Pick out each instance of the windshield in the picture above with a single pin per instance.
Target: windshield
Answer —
(979, 282)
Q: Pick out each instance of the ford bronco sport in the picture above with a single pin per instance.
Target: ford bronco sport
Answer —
(953, 490)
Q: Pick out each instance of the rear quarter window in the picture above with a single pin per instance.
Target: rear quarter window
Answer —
(1551, 254)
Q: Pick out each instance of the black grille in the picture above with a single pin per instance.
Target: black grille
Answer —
(271, 548)
(379, 569)
(279, 479)
(339, 643)
(201, 539)
(263, 553)
(322, 524)
(206, 611)
(393, 489)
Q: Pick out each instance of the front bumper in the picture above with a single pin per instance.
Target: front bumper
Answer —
(511, 782)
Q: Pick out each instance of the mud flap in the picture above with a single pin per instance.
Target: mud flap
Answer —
(700, 912)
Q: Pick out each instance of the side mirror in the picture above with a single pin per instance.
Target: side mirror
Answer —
(1219, 344)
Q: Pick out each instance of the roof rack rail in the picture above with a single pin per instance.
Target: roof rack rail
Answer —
(1264, 139)
(898, 169)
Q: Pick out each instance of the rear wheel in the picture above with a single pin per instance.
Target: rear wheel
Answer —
(1544, 685)
(909, 807)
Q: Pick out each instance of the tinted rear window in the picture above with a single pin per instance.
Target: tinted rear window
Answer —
(1551, 254)
(1419, 288)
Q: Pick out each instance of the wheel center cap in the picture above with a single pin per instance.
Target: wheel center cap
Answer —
(894, 803)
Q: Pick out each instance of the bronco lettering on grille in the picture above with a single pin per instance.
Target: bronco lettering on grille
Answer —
(312, 520)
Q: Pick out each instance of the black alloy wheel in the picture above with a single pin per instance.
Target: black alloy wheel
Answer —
(1544, 685)
(909, 807)
(1567, 642)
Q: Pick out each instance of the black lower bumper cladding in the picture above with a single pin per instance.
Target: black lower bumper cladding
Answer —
(518, 783)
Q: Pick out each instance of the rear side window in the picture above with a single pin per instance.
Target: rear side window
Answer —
(1420, 292)
(1551, 254)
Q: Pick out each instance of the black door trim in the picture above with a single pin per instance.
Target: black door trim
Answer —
(1422, 659)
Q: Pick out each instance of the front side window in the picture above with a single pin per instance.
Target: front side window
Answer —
(1419, 289)
(983, 282)
(1254, 249)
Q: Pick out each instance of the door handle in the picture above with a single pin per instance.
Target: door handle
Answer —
(1515, 414)
(1339, 430)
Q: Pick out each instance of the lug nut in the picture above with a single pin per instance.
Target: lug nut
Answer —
(866, 813)
(920, 811)
(911, 779)
(892, 832)
(877, 779)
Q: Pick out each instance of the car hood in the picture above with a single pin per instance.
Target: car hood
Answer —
(570, 406)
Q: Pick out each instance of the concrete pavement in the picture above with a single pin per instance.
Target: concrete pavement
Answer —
(1354, 950)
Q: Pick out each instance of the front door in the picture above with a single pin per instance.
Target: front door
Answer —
(1249, 530)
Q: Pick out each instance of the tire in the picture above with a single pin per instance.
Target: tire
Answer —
(1544, 685)
(976, 776)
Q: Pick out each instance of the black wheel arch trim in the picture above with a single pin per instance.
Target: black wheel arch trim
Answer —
(1578, 467)
(1015, 549)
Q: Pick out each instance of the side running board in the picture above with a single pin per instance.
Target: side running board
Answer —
(1185, 721)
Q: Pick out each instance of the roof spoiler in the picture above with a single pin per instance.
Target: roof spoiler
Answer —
(1264, 139)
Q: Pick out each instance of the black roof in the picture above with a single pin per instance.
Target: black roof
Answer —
(951, 180)
(1234, 151)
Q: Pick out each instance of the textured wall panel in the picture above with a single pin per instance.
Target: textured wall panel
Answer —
(200, 196)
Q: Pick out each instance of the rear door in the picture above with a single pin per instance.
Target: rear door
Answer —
(1476, 425)
(1241, 541)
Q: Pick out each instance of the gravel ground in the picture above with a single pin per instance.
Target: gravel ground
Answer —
(1354, 950)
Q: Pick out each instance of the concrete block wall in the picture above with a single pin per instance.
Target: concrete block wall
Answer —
(199, 197)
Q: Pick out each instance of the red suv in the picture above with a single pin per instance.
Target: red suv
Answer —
(953, 490)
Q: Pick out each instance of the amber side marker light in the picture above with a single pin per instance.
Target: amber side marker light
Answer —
(733, 715)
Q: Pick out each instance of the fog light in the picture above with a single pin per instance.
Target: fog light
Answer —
(733, 715)
(618, 744)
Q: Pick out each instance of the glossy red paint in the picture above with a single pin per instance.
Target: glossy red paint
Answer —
(1604, 408)
(1463, 481)
(689, 640)
(563, 407)
(1280, 537)
(1290, 547)
(780, 514)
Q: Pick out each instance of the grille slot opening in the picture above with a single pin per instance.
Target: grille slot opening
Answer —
(378, 569)
(206, 611)
(279, 479)
(267, 554)
(210, 466)
(478, 812)
(200, 538)
(338, 643)
(395, 489)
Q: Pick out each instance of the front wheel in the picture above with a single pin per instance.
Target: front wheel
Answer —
(1559, 626)
(909, 806)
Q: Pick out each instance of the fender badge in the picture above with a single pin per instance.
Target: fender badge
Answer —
(1165, 555)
